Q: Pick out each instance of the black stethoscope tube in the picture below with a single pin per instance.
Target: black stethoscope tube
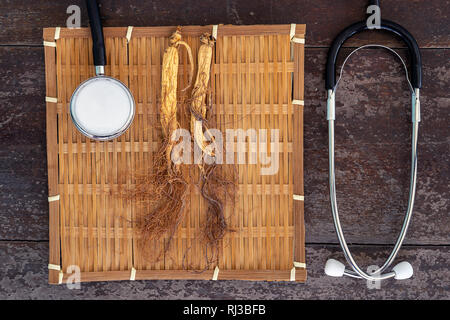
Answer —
(97, 33)
(408, 39)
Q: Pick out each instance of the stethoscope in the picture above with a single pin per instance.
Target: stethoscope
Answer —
(403, 270)
(102, 108)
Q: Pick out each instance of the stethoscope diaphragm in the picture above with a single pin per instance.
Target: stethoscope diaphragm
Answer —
(102, 108)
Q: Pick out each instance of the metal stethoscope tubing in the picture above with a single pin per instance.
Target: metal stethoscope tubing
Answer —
(336, 268)
(358, 273)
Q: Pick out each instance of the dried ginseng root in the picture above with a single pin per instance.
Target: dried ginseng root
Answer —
(169, 77)
(213, 187)
(162, 192)
(198, 105)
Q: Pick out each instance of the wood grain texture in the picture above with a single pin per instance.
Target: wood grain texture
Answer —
(426, 20)
(373, 132)
(23, 178)
(25, 270)
(23, 163)
(52, 161)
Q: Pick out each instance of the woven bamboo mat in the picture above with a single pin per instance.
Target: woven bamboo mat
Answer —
(257, 74)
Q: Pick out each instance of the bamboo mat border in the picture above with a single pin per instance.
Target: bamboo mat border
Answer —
(56, 276)
(52, 158)
(194, 31)
(247, 275)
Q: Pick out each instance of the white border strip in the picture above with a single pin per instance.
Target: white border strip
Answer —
(292, 35)
(133, 274)
(129, 33)
(216, 274)
(299, 264)
(49, 44)
(51, 99)
(53, 198)
(54, 267)
(214, 31)
(57, 32)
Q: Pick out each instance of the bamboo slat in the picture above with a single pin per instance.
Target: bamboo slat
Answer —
(256, 73)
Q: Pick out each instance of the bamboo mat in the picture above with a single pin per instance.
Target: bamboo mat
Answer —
(257, 73)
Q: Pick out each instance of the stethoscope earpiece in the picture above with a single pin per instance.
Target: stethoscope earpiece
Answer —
(335, 268)
(403, 270)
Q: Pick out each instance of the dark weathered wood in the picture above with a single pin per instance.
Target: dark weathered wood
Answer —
(325, 19)
(23, 174)
(373, 132)
(23, 20)
(373, 101)
(372, 141)
(24, 271)
(23, 193)
(22, 87)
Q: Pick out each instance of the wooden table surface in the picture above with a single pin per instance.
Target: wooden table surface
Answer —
(372, 148)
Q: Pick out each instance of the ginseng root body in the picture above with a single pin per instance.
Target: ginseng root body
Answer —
(162, 190)
(213, 186)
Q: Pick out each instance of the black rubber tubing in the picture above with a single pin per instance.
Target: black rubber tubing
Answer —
(374, 2)
(98, 41)
(408, 39)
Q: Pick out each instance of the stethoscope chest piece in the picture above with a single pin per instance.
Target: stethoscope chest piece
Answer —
(102, 108)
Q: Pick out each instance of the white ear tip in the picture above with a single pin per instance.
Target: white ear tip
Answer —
(334, 268)
(403, 271)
